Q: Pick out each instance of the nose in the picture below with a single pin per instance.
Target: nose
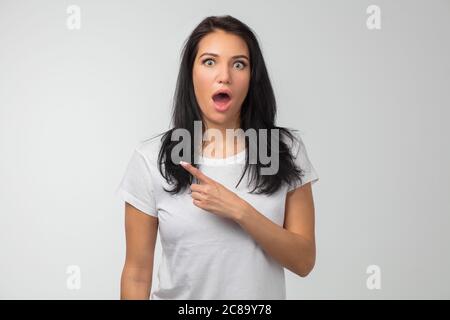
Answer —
(224, 75)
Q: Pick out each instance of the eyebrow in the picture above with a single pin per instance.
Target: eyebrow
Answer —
(216, 55)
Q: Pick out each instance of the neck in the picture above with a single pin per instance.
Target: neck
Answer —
(217, 139)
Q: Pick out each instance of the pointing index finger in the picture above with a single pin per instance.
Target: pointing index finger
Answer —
(195, 172)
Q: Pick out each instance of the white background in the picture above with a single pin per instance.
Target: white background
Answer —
(371, 105)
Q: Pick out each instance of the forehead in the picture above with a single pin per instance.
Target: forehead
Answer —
(223, 44)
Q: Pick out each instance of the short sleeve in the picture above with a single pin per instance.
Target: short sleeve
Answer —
(136, 186)
(302, 161)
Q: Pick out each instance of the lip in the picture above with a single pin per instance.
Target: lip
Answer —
(223, 90)
(222, 108)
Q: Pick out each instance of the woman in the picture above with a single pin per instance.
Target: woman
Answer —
(230, 234)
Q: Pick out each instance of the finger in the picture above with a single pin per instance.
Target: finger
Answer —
(198, 204)
(195, 172)
(198, 196)
(198, 187)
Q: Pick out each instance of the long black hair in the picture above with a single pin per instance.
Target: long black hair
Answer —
(258, 111)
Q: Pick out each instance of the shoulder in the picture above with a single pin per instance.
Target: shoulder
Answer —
(149, 149)
(294, 141)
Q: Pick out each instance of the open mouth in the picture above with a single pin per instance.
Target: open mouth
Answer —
(222, 101)
(221, 97)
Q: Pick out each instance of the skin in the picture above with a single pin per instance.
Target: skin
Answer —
(222, 61)
(141, 230)
(292, 245)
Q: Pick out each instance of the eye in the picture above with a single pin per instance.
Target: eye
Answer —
(206, 60)
(241, 63)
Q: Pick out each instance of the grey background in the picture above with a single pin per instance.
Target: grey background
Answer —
(371, 105)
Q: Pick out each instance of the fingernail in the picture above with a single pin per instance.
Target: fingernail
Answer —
(183, 163)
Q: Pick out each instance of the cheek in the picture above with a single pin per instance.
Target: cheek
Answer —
(242, 82)
(202, 84)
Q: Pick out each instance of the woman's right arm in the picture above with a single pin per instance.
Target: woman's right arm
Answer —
(140, 231)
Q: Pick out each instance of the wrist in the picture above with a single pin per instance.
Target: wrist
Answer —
(241, 210)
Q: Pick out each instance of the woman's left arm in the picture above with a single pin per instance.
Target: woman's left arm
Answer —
(292, 245)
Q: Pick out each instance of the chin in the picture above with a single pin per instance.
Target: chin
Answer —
(217, 118)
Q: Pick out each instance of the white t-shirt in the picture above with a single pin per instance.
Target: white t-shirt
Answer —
(205, 256)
